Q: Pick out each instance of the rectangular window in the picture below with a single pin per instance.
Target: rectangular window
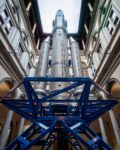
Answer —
(6, 13)
(111, 14)
(11, 23)
(110, 28)
(111, 31)
(112, 22)
(3, 15)
(20, 51)
(8, 26)
(1, 20)
(99, 51)
(114, 17)
(116, 21)
(28, 68)
(6, 30)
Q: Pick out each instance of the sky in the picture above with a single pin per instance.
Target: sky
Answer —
(70, 8)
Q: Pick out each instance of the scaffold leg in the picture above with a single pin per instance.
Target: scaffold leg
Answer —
(86, 136)
(30, 137)
(50, 140)
(49, 120)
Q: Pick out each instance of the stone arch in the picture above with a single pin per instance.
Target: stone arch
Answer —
(22, 96)
(113, 87)
(5, 85)
(99, 96)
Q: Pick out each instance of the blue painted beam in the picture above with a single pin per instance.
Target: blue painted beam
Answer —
(59, 117)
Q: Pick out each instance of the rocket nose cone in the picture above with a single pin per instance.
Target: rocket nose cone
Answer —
(59, 13)
(47, 39)
(71, 40)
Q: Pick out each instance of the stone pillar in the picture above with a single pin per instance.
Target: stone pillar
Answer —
(86, 28)
(90, 7)
(102, 128)
(28, 6)
(32, 72)
(103, 40)
(22, 121)
(115, 127)
(24, 60)
(4, 134)
(96, 59)
(83, 44)
(34, 28)
(38, 43)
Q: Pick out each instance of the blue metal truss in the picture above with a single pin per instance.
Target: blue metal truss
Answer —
(49, 141)
(59, 115)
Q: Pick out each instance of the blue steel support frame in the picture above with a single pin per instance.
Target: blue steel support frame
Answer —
(50, 140)
(46, 119)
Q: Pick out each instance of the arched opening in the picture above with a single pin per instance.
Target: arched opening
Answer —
(113, 87)
(5, 85)
(22, 96)
(99, 96)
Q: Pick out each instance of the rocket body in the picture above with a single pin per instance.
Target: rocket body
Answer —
(76, 63)
(43, 65)
(75, 58)
(60, 67)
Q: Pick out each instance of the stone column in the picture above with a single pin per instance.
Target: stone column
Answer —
(5, 131)
(20, 130)
(4, 134)
(97, 59)
(32, 72)
(115, 127)
(102, 128)
(24, 60)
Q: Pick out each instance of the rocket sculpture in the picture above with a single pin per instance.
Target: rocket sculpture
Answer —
(59, 58)
(70, 113)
